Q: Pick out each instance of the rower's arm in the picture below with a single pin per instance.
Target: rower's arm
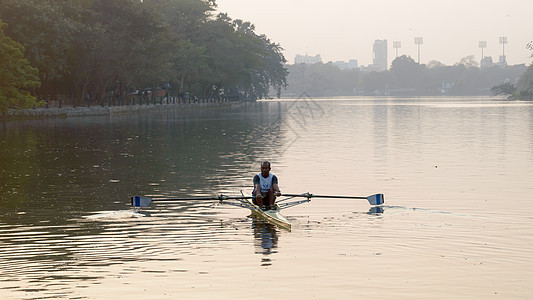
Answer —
(257, 190)
(276, 189)
(257, 186)
(275, 186)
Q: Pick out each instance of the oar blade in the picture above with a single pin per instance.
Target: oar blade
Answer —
(376, 199)
(140, 201)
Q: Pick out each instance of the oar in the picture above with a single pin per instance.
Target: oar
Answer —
(376, 199)
(141, 201)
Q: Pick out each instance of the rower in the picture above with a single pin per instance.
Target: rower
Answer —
(265, 188)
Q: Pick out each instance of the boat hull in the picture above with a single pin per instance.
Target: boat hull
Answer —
(272, 216)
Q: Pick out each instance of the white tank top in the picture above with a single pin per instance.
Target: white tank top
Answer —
(266, 183)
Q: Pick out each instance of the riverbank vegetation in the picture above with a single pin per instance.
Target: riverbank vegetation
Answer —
(17, 77)
(91, 50)
(523, 88)
(404, 78)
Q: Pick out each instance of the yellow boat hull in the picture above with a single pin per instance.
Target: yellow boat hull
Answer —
(272, 216)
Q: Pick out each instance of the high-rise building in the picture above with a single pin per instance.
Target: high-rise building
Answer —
(305, 59)
(380, 55)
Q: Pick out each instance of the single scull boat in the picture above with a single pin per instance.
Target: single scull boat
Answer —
(272, 216)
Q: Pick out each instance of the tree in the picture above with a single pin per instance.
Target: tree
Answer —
(377, 83)
(407, 73)
(505, 88)
(524, 85)
(103, 48)
(435, 64)
(17, 77)
(469, 62)
(322, 80)
(45, 32)
(116, 46)
(239, 59)
(182, 22)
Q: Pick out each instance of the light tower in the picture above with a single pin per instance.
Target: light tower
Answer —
(396, 45)
(419, 41)
(503, 41)
(482, 45)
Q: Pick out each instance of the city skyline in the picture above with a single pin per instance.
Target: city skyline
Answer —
(345, 30)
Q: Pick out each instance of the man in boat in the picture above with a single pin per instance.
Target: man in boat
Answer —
(265, 188)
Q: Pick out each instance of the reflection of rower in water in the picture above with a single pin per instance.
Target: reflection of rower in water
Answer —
(265, 188)
(265, 239)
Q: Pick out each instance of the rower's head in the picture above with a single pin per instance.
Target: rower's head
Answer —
(265, 168)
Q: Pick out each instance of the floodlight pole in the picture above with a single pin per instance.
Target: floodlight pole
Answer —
(396, 45)
(482, 45)
(503, 41)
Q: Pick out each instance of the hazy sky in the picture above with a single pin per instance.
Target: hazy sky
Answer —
(346, 29)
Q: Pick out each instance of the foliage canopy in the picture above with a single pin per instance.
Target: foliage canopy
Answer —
(95, 47)
(17, 77)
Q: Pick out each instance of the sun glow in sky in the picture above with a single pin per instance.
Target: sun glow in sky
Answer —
(346, 29)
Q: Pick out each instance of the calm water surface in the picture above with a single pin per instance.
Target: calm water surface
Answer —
(457, 176)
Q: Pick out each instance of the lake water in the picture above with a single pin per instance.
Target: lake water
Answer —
(457, 175)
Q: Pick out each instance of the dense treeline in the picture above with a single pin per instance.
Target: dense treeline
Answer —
(88, 50)
(405, 77)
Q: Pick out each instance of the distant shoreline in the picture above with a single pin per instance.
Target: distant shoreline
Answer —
(80, 111)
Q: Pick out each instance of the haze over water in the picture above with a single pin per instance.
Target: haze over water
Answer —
(456, 223)
(345, 29)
